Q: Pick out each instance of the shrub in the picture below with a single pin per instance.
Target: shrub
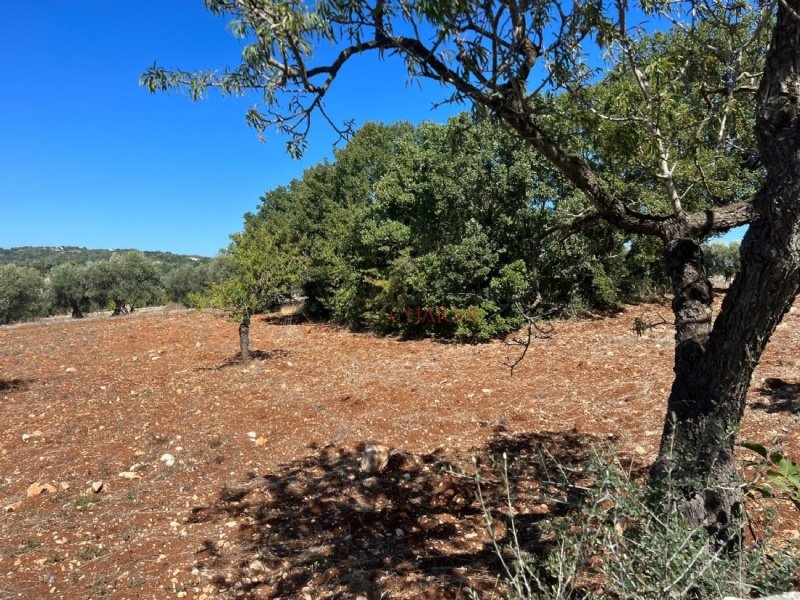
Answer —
(614, 535)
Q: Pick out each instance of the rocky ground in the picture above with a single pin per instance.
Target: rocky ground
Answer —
(141, 460)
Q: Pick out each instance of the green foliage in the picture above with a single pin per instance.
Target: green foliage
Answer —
(425, 231)
(187, 282)
(45, 258)
(721, 260)
(70, 288)
(125, 279)
(609, 529)
(21, 293)
(262, 269)
(781, 475)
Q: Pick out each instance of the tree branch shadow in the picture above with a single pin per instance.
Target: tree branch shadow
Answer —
(255, 355)
(780, 395)
(15, 385)
(319, 526)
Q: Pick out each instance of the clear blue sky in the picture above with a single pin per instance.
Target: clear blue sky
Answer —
(90, 158)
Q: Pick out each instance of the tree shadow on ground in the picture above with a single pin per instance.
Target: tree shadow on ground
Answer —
(15, 385)
(780, 395)
(289, 319)
(255, 355)
(319, 527)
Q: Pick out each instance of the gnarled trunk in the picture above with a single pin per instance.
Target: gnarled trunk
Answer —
(713, 371)
(119, 308)
(77, 313)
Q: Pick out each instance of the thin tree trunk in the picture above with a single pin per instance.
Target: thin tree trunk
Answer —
(713, 372)
(244, 338)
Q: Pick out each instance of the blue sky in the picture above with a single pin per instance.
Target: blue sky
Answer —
(90, 158)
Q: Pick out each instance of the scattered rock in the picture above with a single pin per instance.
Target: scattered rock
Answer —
(13, 507)
(35, 489)
(252, 435)
(167, 459)
(130, 475)
(97, 487)
(70, 370)
(29, 436)
(486, 391)
(261, 441)
(257, 566)
(374, 458)
(64, 486)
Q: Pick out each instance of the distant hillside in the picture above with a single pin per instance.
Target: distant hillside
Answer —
(45, 257)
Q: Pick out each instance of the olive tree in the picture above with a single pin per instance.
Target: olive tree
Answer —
(20, 293)
(70, 288)
(513, 60)
(125, 281)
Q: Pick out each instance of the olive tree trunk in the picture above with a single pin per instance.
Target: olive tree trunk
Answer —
(713, 367)
(77, 313)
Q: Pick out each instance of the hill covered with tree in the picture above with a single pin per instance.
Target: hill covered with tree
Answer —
(46, 257)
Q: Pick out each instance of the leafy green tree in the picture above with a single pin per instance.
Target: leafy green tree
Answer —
(21, 293)
(722, 260)
(124, 281)
(183, 281)
(70, 288)
(514, 60)
(263, 272)
(455, 205)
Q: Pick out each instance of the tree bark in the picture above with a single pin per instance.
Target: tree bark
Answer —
(244, 338)
(77, 313)
(713, 370)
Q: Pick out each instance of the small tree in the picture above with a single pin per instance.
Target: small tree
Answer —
(70, 289)
(262, 273)
(20, 293)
